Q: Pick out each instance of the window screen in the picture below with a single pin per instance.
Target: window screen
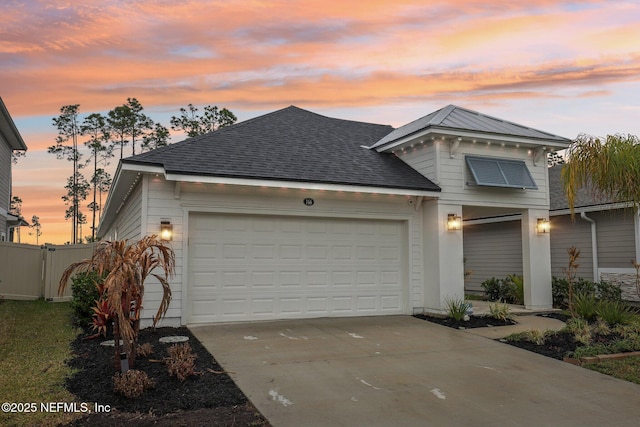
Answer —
(500, 172)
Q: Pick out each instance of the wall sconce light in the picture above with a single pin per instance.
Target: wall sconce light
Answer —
(543, 225)
(454, 222)
(166, 230)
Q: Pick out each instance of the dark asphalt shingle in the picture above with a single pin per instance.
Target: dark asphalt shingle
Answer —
(291, 144)
(558, 199)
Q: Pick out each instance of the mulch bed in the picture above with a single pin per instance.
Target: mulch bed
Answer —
(473, 322)
(556, 345)
(210, 398)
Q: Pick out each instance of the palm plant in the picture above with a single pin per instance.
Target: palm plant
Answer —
(609, 169)
(125, 267)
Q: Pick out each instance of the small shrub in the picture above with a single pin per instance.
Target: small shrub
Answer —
(496, 290)
(536, 336)
(84, 296)
(624, 345)
(533, 336)
(457, 308)
(601, 290)
(559, 291)
(500, 312)
(632, 328)
(181, 361)
(575, 324)
(144, 350)
(585, 305)
(608, 291)
(589, 351)
(614, 312)
(515, 289)
(132, 383)
(601, 328)
(580, 329)
(102, 317)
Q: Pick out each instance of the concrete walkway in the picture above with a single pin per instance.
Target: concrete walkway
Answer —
(402, 371)
(525, 323)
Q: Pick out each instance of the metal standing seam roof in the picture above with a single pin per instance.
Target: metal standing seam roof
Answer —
(291, 144)
(454, 117)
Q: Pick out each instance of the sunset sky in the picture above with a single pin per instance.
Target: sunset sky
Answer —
(560, 66)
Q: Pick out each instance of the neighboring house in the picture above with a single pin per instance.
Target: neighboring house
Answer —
(607, 234)
(10, 140)
(293, 214)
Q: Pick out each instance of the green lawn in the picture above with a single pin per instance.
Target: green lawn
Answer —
(34, 344)
(626, 369)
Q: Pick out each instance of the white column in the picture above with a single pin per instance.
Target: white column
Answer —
(536, 261)
(443, 256)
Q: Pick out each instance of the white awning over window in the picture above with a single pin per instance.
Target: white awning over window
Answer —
(494, 172)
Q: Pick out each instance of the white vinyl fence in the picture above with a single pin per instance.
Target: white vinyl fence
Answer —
(29, 272)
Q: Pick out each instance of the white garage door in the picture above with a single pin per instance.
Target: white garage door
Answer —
(251, 267)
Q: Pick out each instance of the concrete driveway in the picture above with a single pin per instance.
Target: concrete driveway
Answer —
(402, 371)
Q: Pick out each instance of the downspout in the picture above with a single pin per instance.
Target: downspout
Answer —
(594, 245)
(636, 223)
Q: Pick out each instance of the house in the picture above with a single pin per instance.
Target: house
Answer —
(293, 214)
(10, 141)
(606, 233)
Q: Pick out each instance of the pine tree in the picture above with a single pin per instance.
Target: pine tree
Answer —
(67, 148)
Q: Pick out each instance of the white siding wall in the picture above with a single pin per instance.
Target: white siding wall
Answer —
(5, 184)
(616, 238)
(495, 250)
(128, 224)
(164, 205)
(451, 174)
(564, 234)
(492, 250)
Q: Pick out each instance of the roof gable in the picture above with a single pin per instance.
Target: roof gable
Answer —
(291, 144)
(9, 131)
(456, 118)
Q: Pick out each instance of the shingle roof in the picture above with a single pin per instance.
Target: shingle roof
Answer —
(291, 144)
(453, 117)
(557, 198)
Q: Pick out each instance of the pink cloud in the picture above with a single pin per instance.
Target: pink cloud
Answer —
(261, 55)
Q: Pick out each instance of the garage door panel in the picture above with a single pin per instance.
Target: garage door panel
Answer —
(366, 253)
(263, 279)
(234, 251)
(263, 307)
(245, 267)
(342, 278)
(233, 280)
(319, 305)
(342, 252)
(342, 305)
(390, 303)
(263, 252)
(388, 253)
(288, 252)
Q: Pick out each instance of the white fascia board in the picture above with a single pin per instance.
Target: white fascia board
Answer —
(275, 183)
(142, 168)
(299, 185)
(470, 135)
(560, 212)
(594, 208)
(107, 216)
